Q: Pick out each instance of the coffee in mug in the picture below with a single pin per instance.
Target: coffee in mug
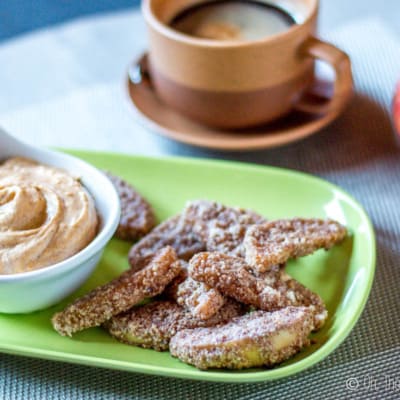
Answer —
(232, 20)
(259, 72)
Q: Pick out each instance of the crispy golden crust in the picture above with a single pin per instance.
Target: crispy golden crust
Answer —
(202, 225)
(175, 232)
(171, 290)
(277, 241)
(232, 277)
(153, 325)
(268, 291)
(201, 300)
(222, 228)
(253, 340)
(244, 261)
(137, 215)
(297, 294)
(119, 295)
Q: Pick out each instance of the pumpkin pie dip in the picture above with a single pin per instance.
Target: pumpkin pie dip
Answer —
(46, 216)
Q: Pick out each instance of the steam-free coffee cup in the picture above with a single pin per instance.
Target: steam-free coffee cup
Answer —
(229, 65)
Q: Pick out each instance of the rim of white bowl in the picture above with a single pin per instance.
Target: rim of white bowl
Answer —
(106, 232)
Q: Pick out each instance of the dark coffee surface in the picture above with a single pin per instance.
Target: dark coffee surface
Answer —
(232, 20)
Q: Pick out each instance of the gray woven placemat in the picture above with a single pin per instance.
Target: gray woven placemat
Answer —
(359, 153)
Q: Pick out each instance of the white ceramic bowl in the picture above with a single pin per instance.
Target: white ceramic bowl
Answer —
(35, 290)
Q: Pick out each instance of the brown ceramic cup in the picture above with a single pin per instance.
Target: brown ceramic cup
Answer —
(236, 84)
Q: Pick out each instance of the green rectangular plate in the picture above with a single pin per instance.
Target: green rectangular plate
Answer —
(342, 276)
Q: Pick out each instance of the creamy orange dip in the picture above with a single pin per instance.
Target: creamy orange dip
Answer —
(46, 216)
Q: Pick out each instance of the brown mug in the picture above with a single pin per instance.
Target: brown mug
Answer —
(236, 84)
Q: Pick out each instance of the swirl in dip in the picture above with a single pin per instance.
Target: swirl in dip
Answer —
(46, 216)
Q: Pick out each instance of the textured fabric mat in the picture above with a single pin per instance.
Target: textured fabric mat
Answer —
(358, 152)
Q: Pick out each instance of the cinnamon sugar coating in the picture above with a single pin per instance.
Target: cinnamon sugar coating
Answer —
(153, 325)
(201, 300)
(176, 232)
(202, 225)
(171, 290)
(297, 294)
(137, 215)
(253, 340)
(277, 241)
(119, 295)
(232, 277)
(210, 263)
(222, 228)
(274, 290)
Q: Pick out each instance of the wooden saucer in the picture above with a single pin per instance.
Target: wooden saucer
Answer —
(161, 119)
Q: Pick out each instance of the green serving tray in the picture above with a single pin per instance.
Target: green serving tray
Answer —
(342, 276)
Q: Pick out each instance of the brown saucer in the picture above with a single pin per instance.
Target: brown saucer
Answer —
(161, 119)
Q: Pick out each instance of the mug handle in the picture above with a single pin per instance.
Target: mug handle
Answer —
(343, 86)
